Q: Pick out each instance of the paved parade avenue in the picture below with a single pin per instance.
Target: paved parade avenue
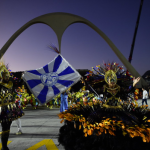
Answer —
(40, 130)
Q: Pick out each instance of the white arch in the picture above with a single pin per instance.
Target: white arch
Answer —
(59, 22)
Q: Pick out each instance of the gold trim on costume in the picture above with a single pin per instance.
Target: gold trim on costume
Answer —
(108, 88)
(6, 97)
(115, 107)
(8, 85)
(7, 104)
(3, 132)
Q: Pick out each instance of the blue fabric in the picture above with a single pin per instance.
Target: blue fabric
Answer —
(65, 82)
(78, 99)
(64, 102)
(88, 98)
(57, 63)
(33, 83)
(56, 90)
(68, 70)
(36, 101)
(35, 72)
(130, 87)
(46, 68)
(43, 94)
(53, 101)
(144, 100)
(86, 94)
(19, 103)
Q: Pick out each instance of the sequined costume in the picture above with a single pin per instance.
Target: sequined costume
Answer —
(9, 110)
(111, 124)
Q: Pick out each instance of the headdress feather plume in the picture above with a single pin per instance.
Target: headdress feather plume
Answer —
(54, 48)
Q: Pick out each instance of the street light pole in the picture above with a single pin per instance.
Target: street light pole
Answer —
(135, 32)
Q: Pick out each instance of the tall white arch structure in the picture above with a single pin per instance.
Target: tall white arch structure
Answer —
(59, 23)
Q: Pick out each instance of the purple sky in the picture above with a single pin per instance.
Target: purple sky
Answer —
(81, 46)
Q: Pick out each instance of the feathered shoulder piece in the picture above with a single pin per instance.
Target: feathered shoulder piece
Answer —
(3, 68)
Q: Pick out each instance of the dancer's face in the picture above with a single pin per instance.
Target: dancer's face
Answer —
(111, 82)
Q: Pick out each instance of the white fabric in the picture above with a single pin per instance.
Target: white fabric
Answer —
(101, 95)
(145, 94)
(18, 123)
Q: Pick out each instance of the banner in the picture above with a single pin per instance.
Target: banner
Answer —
(52, 79)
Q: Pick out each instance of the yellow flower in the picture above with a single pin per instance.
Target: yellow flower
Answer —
(89, 132)
(123, 126)
(100, 124)
(85, 125)
(85, 130)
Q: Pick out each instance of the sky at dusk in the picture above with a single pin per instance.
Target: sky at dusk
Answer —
(81, 46)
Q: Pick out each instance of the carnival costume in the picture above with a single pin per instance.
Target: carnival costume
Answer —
(54, 102)
(33, 101)
(64, 102)
(9, 110)
(111, 124)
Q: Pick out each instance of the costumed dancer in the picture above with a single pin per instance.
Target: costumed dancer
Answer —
(9, 110)
(64, 101)
(17, 95)
(85, 96)
(24, 100)
(33, 101)
(111, 125)
(57, 101)
(136, 93)
(79, 97)
(24, 97)
(50, 104)
(23, 90)
(69, 98)
(54, 102)
(73, 98)
(18, 121)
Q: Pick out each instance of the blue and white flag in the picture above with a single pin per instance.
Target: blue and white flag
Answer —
(54, 78)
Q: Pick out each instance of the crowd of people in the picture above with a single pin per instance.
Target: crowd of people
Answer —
(68, 97)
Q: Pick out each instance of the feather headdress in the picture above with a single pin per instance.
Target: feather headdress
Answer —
(3, 68)
(108, 71)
